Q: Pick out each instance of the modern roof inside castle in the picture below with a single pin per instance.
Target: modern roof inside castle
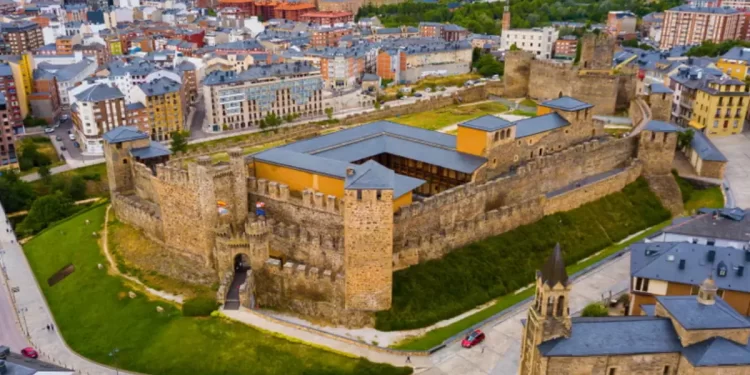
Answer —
(333, 153)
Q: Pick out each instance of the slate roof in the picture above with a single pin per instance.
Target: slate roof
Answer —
(705, 148)
(160, 86)
(704, 225)
(257, 72)
(99, 92)
(155, 149)
(5, 70)
(566, 103)
(661, 126)
(694, 9)
(539, 124)
(695, 316)
(370, 175)
(368, 77)
(717, 351)
(134, 106)
(737, 53)
(615, 336)
(661, 261)
(659, 88)
(487, 123)
(124, 134)
(650, 310)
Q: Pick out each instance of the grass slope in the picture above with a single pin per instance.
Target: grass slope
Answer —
(475, 274)
(440, 118)
(95, 316)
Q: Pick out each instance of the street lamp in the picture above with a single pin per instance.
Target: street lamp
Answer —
(113, 354)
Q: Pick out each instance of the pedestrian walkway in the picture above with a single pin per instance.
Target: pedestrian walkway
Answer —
(34, 314)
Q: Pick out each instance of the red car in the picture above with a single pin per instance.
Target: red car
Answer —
(29, 352)
(473, 338)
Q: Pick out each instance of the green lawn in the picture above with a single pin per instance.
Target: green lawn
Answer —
(520, 112)
(440, 118)
(437, 336)
(528, 103)
(95, 314)
(708, 198)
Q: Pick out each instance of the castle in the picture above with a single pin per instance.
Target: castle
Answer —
(682, 335)
(593, 80)
(323, 223)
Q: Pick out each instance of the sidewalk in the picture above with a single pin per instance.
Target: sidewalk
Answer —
(34, 312)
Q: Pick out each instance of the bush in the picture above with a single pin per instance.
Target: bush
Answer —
(199, 306)
(595, 309)
(475, 274)
(30, 157)
(45, 211)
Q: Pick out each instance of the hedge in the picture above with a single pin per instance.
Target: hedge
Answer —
(199, 306)
(475, 274)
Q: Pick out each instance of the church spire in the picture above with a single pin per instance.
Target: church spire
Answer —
(553, 271)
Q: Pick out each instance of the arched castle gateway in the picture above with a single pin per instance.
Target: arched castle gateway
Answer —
(344, 210)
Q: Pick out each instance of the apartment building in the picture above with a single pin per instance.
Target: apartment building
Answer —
(445, 31)
(69, 75)
(540, 41)
(408, 60)
(621, 22)
(16, 108)
(8, 136)
(735, 62)
(163, 99)
(720, 107)
(136, 114)
(566, 47)
(327, 18)
(341, 67)
(21, 36)
(685, 25)
(97, 110)
(328, 37)
(236, 101)
(45, 100)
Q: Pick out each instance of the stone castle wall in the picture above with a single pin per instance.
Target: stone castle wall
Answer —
(575, 198)
(144, 188)
(306, 290)
(307, 228)
(421, 229)
(132, 210)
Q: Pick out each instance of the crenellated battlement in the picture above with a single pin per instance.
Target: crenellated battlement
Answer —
(301, 271)
(310, 198)
(173, 175)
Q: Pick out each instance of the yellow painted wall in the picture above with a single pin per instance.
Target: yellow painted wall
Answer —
(706, 105)
(542, 110)
(299, 180)
(736, 69)
(23, 101)
(401, 201)
(471, 141)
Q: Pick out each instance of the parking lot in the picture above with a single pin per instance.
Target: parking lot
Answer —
(737, 149)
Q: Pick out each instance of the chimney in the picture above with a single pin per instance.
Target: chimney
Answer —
(350, 171)
(682, 264)
(711, 256)
(740, 270)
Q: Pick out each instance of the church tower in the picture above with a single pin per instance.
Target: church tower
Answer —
(506, 16)
(549, 315)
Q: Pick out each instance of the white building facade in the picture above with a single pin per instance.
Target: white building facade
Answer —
(539, 41)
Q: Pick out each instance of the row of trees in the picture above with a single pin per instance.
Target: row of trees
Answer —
(711, 49)
(486, 18)
(29, 154)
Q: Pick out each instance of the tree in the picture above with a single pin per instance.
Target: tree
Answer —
(211, 12)
(476, 53)
(399, 95)
(45, 211)
(45, 173)
(270, 121)
(329, 113)
(77, 188)
(29, 155)
(684, 138)
(377, 104)
(488, 66)
(595, 309)
(179, 141)
(514, 47)
(15, 194)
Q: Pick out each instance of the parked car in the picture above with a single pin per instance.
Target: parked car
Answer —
(64, 117)
(58, 138)
(474, 338)
(418, 95)
(63, 148)
(29, 353)
(49, 130)
(72, 137)
(76, 145)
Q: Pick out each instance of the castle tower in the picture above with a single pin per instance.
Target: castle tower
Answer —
(239, 186)
(517, 73)
(117, 145)
(549, 316)
(660, 101)
(368, 237)
(597, 51)
(656, 147)
(203, 173)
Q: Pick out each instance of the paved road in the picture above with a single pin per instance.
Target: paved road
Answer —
(11, 332)
(34, 312)
(737, 149)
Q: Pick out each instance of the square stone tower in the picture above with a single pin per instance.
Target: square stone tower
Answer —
(656, 147)
(368, 237)
(118, 143)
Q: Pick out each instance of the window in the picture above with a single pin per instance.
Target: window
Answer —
(612, 371)
(641, 284)
(666, 370)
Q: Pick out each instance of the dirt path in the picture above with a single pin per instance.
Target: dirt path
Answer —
(113, 265)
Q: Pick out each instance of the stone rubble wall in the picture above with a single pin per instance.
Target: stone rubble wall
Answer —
(307, 228)
(140, 213)
(430, 228)
(309, 291)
